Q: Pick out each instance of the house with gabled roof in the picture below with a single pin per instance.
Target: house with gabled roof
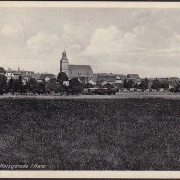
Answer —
(110, 78)
(35, 76)
(45, 77)
(134, 77)
(103, 78)
(13, 74)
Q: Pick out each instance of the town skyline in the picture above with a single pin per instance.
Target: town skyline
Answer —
(141, 41)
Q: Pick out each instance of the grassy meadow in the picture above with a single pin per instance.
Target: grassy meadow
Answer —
(91, 134)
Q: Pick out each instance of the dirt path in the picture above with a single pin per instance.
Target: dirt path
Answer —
(117, 96)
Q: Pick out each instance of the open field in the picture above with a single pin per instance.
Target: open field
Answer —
(91, 133)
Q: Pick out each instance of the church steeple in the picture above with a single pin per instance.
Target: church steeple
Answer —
(64, 63)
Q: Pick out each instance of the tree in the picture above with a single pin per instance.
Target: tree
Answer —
(62, 88)
(53, 85)
(11, 85)
(19, 84)
(156, 84)
(99, 84)
(108, 85)
(177, 88)
(128, 84)
(75, 87)
(165, 85)
(3, 83)
(32, 85)
(41, 88)
(144, 84)
(62, 77)
(24, 89)
(136, 85)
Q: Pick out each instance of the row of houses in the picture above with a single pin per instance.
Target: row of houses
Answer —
(115, 79)
(97, 78)
(91, 78)
(26, 75)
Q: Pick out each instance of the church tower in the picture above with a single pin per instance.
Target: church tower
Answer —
(64, 64)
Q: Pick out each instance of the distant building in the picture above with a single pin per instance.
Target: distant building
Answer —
(13, 74)
(27, 72)
(118, 82)
(134, 77)
(66, 83)
(83, 72)
(108, 78)
(25, 78)
(104, 78)
(16, 73)
(45, 77)
(35, 76)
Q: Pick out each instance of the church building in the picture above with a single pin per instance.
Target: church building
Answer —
(83, 72)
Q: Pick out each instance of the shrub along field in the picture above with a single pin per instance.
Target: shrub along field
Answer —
(91, 134)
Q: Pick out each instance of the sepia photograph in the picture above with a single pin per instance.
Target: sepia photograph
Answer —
(89, 87)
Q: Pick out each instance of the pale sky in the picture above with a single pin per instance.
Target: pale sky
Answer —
(121, 40)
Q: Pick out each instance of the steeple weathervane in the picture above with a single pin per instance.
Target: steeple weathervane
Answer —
(64, 54)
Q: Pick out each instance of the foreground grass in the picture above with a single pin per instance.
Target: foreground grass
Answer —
(91, 134)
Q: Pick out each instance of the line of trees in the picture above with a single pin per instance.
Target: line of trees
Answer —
(75, 86)
(156, 84)
(32, 85)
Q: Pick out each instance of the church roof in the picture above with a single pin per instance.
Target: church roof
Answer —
(80, 70)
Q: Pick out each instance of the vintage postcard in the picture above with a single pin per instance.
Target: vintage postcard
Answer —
(90, 89)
